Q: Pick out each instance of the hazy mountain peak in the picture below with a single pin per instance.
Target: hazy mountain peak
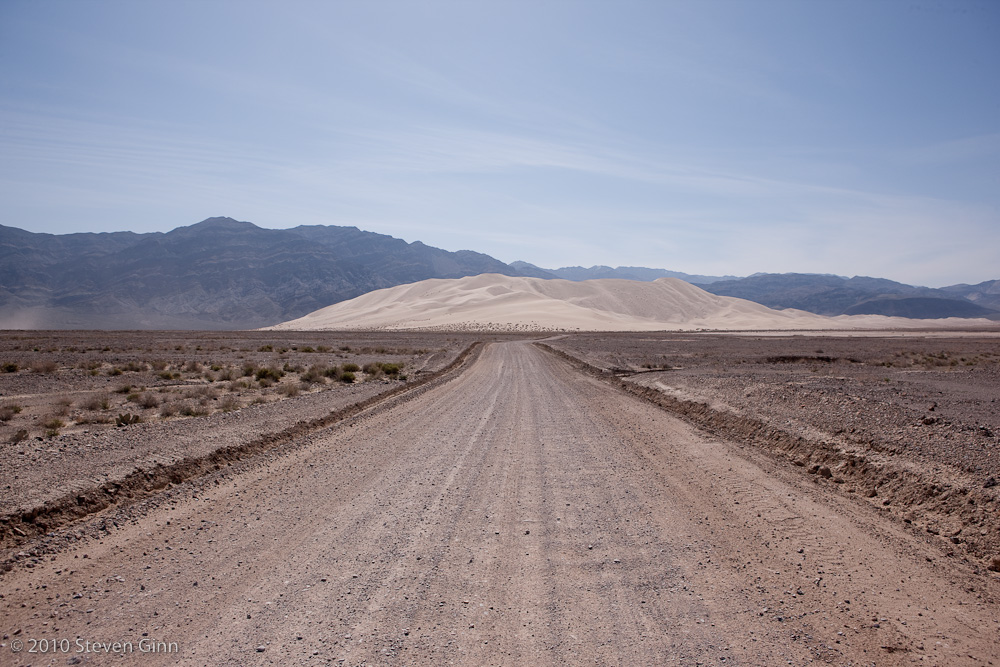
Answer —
(225, 221)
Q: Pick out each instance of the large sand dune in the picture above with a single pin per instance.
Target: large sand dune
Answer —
(497, 302)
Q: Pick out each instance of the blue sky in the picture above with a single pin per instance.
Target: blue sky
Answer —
(708, 137)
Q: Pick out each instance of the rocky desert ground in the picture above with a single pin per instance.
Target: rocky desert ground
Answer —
(442, 498)
(909, 421)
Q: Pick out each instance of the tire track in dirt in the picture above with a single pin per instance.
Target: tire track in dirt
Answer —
(521, 513)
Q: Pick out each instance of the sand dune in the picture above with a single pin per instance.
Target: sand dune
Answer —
(497, 302)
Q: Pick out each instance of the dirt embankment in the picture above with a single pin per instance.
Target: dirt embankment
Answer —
(944, 500)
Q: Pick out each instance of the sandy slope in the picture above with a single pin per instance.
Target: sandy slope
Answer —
(493, 301)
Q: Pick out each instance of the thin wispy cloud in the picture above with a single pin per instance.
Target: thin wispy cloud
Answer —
(667, 135)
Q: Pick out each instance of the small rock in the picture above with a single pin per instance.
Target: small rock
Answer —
(261, 648)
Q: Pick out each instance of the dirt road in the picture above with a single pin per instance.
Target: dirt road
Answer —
(521, 513)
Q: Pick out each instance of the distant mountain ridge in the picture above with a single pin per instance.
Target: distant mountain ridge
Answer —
(217, 274)
(823, 294)
(835, 295)
(642, 273)
(225, 274)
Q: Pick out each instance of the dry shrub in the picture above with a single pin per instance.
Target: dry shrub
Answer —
(316, 373)
(53, 423)
(229, 403)
(8, 410)
(44, 366)
(188, 410)
(52, 426)
(96, 402)
(147, 401)
(168, 409)
(289, 390)
(62, 406)
(272, 374)
(203, 392)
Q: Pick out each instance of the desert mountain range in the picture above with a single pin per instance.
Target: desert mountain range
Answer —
(217, 274)
(225, 274)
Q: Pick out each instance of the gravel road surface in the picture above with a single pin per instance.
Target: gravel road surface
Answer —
(521, 513)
